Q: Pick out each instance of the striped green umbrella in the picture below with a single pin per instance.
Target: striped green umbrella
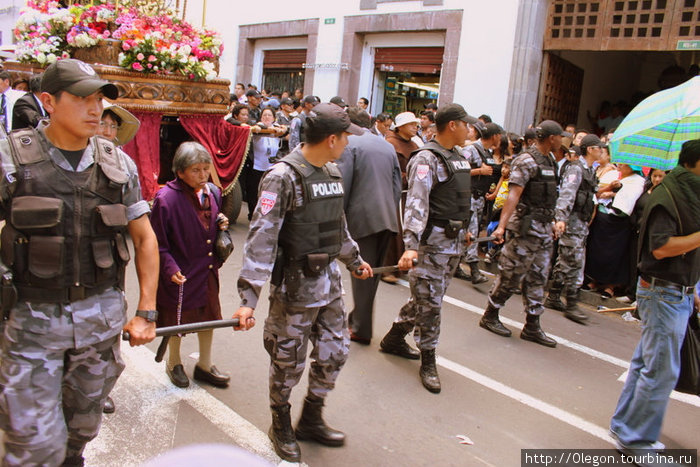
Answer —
(654, 131)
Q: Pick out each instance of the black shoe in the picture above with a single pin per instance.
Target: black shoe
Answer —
(177, 376)
(533, 332)
(460, 274)
(490, 322)
(360, 340)
(395, 344)
(428, 371)
(312, 427)
(282, 435)
(477, 277)
(109, 406)
(213, 376)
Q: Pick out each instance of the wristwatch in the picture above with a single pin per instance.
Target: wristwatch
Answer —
(148, 315)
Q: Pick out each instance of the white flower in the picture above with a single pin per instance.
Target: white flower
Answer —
(41, 58)
(122, 58)
(44, 47)
(51, 58)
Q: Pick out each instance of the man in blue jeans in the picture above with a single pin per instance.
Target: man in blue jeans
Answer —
(669, 268)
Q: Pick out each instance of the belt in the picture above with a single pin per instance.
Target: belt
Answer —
(648, 281)
(67, 295)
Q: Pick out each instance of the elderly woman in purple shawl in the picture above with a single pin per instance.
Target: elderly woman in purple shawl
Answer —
(185, 217)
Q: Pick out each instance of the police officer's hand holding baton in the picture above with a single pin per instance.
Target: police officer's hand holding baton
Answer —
(408, 260)
(363, 272)
(245, 317)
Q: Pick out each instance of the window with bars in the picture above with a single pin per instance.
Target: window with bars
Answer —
(621, 24)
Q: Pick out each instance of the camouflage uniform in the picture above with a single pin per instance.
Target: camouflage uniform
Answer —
(60, 360)
(477, 205)
(302, 307)
(572, 243)
(525, 258)
(438, 255)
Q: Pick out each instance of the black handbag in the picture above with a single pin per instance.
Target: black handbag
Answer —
(223, 245)
(689, 378)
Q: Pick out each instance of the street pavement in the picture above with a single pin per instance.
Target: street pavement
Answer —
(499, 395)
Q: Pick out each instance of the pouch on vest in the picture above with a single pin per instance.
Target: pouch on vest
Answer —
(104, 259)
(14, 248)
(46, 256)
(525, 224)
(36, 214)
(315, 263)
(110, 217)
(122, 248)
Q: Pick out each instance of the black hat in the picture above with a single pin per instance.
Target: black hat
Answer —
(337, 100)
(590, 140)
(287, 101)
(452, 112)
(550, 128)
(530, 133)
(331, 119)
(253, 93)
(77, 78)
(480, 127)
(311, 100)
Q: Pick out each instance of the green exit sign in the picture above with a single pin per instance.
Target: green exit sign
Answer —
(688, 45)
(329, 21)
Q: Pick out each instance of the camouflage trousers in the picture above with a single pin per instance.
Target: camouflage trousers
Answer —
(288, 330)
(571, 258)
(472, 255)
(51, 402)
(429, 281)
(524, 260)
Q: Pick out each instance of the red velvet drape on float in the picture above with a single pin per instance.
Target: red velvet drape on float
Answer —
(144, 149)
(226, 143)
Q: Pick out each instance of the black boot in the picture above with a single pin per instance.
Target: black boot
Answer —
(428, 371)
(282, 435)
(554, 297)
(395, 344)
(491, 322)
(534, 333)
(477, 277)
(460, 274)
(572, 311)
(312, 427)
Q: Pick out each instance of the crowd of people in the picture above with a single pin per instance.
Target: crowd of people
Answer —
(323, 181)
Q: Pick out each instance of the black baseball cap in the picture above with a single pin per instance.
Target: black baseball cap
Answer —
(331, 118)
(337, 100)
(253, 93)
(451, 112)
(550, 128)
(590, 140)
(77, 78)
(287, 101)
(311, 100)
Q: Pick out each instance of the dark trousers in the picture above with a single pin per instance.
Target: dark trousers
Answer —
(372, 248)
(252, 182)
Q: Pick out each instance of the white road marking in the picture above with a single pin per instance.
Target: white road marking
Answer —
(145, 387)
(533, 402)
(679, 396)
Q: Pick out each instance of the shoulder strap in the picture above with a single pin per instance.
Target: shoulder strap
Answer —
(26, 147)
(107, 157)
(675, 208)
(216, 192)
(297, 162)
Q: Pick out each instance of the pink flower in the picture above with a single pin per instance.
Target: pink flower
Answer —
(149, 66)
(140, 56)
(137, 66)
(152, 58)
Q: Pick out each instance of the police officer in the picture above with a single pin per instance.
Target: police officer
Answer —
(486, 172)
(527, 216)
(435, 234)
(68, 199)
(297, 231)
(572, 214)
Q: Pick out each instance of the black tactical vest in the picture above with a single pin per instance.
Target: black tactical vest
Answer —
(540, 194)
(64, 236)
(482, 183)
(584, 204)
(314, 227)
(451, 199)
